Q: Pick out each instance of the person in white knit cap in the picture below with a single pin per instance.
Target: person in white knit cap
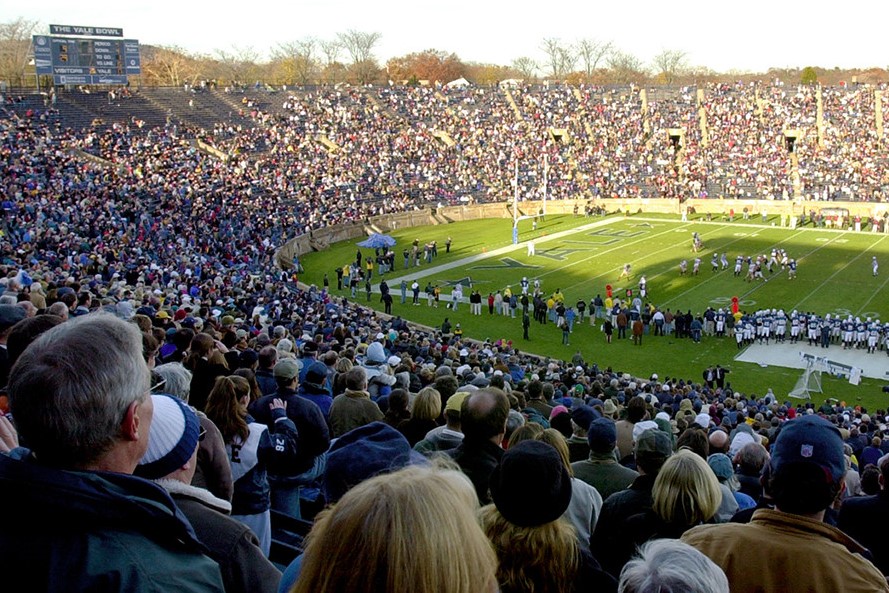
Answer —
(170, 461)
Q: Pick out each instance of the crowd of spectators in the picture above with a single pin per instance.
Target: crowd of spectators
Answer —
(159, 269)
(584, 462)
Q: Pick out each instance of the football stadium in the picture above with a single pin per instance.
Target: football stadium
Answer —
(349, 316)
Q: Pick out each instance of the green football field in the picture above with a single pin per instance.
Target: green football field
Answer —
(581, 256)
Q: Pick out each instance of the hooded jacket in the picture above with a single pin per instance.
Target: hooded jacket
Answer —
(95, 531)
(379, 380)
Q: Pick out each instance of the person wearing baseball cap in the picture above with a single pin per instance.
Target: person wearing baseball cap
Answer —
(449, 435)
(601, 470)
(790, 547)
(314, 437)
(582, 417)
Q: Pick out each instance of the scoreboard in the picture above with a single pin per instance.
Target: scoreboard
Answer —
(71, 60)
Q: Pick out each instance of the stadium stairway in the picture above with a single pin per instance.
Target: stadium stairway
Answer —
(379, 106)
(199, 109)
(444, 138)
(228, 100)
(327, 143)
(96, 160)
(515, 108)
(583, 113)
(210, 149)
(444, 100)
(372, 228)
(439, 218)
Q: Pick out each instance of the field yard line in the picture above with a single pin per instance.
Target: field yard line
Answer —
(617, 247)
(510, 248)
(812, 292)
(712, 276)
(427, 271)
(873, 294)
(604, 274)
(759, 285)
(731, 263)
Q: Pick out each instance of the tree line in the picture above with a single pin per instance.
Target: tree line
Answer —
(350, 57)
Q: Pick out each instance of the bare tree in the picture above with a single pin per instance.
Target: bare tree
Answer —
(359, 44)
(669, 64)
(366, 72)
(331, 49)
(168, 66)
(15, 45)
(560, 57)
(360, 47)
(591, 52)
(333, 71)
(239, 64)
(526, 67)
(625, 67)
(297, 60)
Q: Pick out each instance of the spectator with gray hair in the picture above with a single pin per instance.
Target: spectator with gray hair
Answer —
(80, 396)
(514, 420)
(173, 379)
(59, 309)
(671, 566)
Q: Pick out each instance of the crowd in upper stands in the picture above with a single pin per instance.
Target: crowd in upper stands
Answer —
(533, 471)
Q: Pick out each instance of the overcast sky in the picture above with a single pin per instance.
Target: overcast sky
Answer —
(746, 36)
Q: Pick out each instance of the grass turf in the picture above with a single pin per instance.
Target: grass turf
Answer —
(582, 255)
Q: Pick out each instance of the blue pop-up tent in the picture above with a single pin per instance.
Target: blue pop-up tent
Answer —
(378, 241)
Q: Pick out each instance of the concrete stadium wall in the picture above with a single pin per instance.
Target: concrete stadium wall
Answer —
(320, 239)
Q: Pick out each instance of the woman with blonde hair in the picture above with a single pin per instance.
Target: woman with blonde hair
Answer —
(526, 432)
(342, 366)
(410, 531)
(537, 549)
(586, 502)
(251, 451)
(686, 493)
(425, 413)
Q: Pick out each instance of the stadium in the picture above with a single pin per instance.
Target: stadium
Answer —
(704, 253)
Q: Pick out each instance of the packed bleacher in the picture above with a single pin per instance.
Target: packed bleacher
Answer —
(289, 430)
